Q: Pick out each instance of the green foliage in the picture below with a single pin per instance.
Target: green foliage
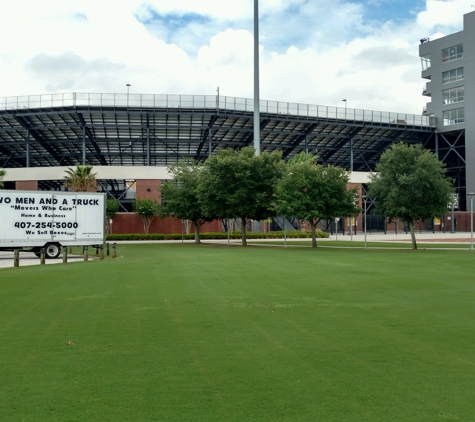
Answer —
(180, 195)
(296, 234)
(312, 192)
(303, 157)
(80, 179)
(135, 236)
(239, 184)
(145, 206)
(410, 184)
(112, 207)
(147, 209)
(2, 174)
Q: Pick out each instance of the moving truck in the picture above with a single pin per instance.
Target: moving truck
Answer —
(31, 220)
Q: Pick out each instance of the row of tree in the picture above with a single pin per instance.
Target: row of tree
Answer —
(237, 184)
(409, 184)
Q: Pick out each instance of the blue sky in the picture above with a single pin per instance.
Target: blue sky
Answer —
(396, 10)
(289, 26)
(311, 51)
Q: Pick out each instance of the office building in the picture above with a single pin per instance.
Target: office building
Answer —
(448, 65)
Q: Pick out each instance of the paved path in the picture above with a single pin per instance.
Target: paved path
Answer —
(437, 237)
(29, 258)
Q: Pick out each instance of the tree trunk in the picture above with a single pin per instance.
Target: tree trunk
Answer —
(147, 221)
(243, 231)
(314, 236)
(197, 232)
(413, 235)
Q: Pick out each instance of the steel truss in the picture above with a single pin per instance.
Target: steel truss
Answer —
(67, 129)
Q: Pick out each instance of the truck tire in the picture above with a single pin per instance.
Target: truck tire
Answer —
(52, 250)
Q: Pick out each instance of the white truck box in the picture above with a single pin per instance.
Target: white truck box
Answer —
(31, 220)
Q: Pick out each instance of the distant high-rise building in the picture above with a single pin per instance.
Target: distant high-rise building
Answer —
(448, 63)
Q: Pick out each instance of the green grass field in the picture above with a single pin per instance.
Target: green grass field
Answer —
(215, 333)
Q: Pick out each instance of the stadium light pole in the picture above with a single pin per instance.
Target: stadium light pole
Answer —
(471, 195)
(257, 123)
(345, 106)
(128, 87)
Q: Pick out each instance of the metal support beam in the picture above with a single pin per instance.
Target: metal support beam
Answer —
(84, 145)
(86, 132)
(210, 136)
(28, 148)
(148, 145)
(351, 154)
(38, 138)
(437, 145)
(298, 141)
(205, 136)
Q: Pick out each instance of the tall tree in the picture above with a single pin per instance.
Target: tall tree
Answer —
(312, 192)
(180, 195)
(2, 174)
(147, 209)
(410, 184)
(303, 157)
(112, 207)
(80, 179)
(239, 184)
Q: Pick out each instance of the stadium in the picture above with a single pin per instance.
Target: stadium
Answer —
(131, 139)
(118, 130)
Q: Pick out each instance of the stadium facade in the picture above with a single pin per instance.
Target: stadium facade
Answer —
(149, 132)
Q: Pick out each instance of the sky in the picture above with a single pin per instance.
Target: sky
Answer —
(311, 51)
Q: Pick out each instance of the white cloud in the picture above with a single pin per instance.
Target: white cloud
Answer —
(443, 13)
(311, 51)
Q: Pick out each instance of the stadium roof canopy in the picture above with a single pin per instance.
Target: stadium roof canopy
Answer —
(156, 130)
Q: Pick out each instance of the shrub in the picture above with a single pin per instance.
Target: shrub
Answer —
(296, 234)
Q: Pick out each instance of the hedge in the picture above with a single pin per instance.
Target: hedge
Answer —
(296, 234)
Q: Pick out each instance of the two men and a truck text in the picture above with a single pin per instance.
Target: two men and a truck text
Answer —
(32, 220)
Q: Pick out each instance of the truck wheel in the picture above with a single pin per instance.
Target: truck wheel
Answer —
(52, 250)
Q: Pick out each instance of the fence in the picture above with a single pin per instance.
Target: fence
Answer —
(207, 102)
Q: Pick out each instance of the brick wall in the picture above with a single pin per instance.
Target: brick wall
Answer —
(147, 188)
(26, 185)
(128, 222)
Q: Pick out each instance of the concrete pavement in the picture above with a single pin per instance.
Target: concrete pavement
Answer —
(425, 236)
(29, 258)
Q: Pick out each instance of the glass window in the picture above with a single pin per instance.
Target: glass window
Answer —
(453, 117)
(452, 53)
(425, 61)
(452, 75)
(453, 95)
